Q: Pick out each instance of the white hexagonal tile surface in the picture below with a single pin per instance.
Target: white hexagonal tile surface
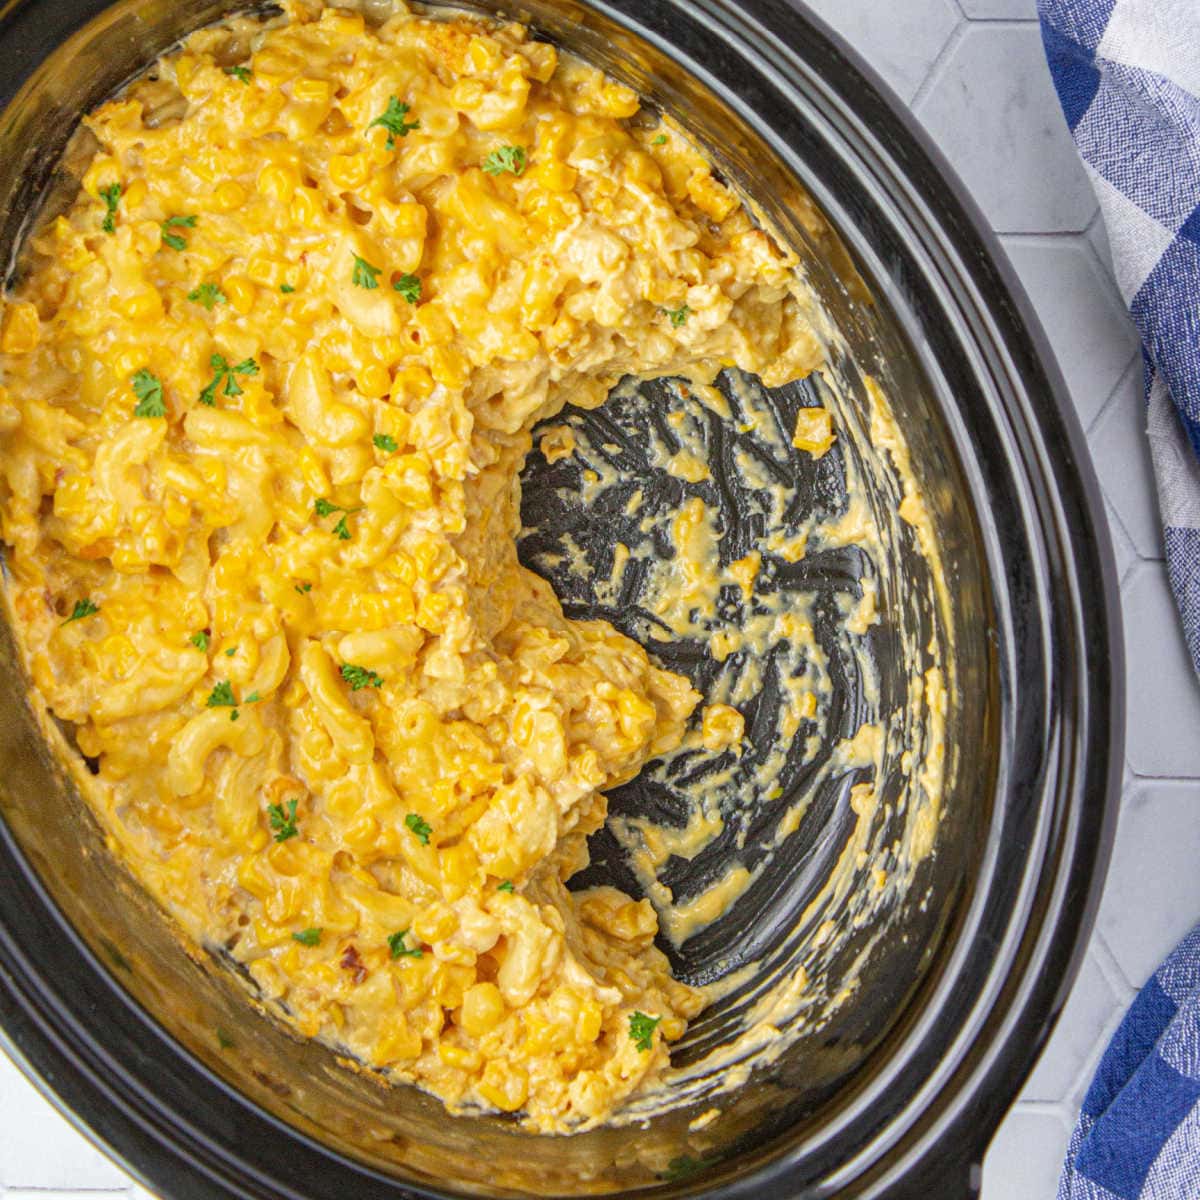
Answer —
(992, 110)
(1163, 692)
(1121, 454)
(39, 1149)
(1082, 313)
(997, 10)
(1093, 1011)
(1152, 895)
(1124, 552)
(905, 46)
(1025, 1158)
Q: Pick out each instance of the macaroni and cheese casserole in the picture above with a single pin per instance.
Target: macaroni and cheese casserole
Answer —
(267, 386)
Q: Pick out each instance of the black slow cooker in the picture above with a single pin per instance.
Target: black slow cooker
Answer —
(158, 1056)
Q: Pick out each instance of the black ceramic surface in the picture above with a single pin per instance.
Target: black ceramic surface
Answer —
(899, 1093)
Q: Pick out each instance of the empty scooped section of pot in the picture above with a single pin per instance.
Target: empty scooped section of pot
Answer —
(740, 847)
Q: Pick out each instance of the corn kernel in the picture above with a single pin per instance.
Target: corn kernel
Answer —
(71, 496)
(467, 94)
(126, 362)
(21, 329)
(710, 197)
(177, 511)
(312, 472)
(277, 182)
(342, 24)
(228, 196)
(435, 924)
(449, 367)
(460, 866)
(504, 1086)
(400, 1042)
(413, 382)
(672, 1028)
(349, 171)
(409, 219)
(103, 172)
(483, 54)
(459, 1056)
(453, 979)
(312, 91)
(722, 727)
(555, 175)
(306, 206)
(374, 381)
(433, 611)
(117, 657)
(745, 571)
(185, 71)
(814, 431)
(269, 272)
(240, 293)
(144, 306)
(134, 196)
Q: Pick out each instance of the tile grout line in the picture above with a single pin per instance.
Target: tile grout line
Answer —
(1106, 961)
(957, 34)
(1110, 401)
(1067, 237)
(1004, 22)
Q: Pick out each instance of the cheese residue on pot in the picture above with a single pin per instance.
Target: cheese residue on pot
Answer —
(266, 390)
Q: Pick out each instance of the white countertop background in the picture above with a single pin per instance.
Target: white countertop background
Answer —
(974, 74)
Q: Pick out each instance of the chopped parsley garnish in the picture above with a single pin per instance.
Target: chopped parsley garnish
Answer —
(148, 390)
(325, 508)
(641, 1029)
(221, 696)
(241, 73)
(283, 823)
(199, 640)
(303, 588)
(661, 140)
(420, 827)
(224, 1040)
(506, 158)
(307, 937)
(83, 608)
(385, 442)
(393, 121)
(253, 698)
(286, 289)
(409, 286)
(207, 294)
(364, 275)
(360, 677)
(223, 372)
(231, 652)
(506, 886)
(399, 950)
(111, 196)
(173, 239)
(235, 715)
(678, 316)
(686, 1166)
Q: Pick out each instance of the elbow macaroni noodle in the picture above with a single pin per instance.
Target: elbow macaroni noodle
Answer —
(363, 717)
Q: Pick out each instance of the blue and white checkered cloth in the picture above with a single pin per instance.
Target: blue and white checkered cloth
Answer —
(1138, 1136)
(1128, 75)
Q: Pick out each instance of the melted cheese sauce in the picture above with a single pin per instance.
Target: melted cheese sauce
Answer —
(334, 726)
